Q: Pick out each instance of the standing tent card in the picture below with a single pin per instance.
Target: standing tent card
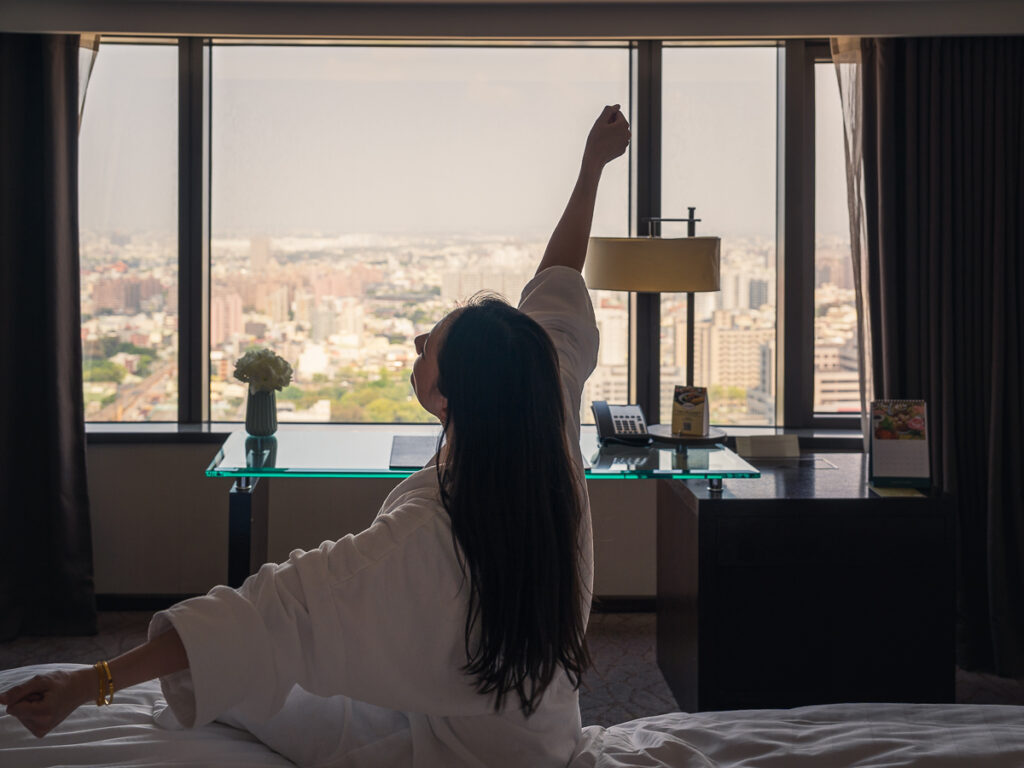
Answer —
(899, 444)
(690, 415)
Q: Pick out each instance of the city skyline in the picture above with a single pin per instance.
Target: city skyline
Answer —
(345, 314)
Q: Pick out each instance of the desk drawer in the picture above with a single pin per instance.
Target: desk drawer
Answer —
(795, 538)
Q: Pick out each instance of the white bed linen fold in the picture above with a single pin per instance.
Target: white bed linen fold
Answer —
(124, 735)
(828, 736)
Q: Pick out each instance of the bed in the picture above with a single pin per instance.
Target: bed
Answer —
(828, 736)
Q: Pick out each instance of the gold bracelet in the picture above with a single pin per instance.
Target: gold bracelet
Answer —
(105, 695)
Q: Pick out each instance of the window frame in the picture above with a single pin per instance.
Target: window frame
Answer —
(194, 96)
(794, 232)
(795, 359)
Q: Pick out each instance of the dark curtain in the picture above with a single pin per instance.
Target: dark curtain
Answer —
(943, 176)
(46, 577)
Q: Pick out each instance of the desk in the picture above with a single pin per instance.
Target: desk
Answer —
(354, 451)
(804, 587)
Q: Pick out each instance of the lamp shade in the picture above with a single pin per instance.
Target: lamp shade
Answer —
(653, 264)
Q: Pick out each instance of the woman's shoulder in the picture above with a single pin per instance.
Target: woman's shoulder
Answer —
(558, 300)
(554, 288)
(421, 484)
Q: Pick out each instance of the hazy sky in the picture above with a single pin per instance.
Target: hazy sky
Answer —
(343, 139)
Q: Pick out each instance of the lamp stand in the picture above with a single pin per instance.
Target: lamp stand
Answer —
(691, 231)
(690, 313)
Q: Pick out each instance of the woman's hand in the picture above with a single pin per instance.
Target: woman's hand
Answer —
(42, 703)
(607, 139)
(568, 244)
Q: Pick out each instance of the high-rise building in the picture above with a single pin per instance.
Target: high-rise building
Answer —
(761, 399)
(259, 254)
(613, 325)
(837, 391)
(304, 304)
(607, 382)
(278, 304)
(225, 317)
(324, 323)
(735, 350)
(122, 295)
(350, 316)
(459, 286)
(758, 293)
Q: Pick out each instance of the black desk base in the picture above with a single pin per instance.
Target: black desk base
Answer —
(803, 588)
(247, 528)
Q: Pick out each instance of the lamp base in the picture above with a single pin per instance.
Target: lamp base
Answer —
(662, 433)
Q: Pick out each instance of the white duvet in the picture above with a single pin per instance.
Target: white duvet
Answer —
(832, 736)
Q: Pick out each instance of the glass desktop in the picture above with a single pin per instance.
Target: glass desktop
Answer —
(354, 451)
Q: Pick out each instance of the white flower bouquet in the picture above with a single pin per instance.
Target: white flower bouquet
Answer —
(263, 370)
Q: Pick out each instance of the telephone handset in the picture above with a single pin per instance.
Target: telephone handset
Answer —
(623, 424)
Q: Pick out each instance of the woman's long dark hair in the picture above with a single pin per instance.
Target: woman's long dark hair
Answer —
(509, 485)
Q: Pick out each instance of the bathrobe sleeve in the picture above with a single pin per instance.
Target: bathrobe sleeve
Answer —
(346, 618)
(559, 301)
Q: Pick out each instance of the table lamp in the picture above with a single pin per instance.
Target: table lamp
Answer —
(657, 265)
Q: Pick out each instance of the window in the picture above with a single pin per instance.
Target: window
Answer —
(836, 362)
(359, 192)
(339, 198)
(128, 208)
(719, 155)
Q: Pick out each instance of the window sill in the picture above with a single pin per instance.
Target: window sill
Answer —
(811, 438)
(215, 433)
(109, 433)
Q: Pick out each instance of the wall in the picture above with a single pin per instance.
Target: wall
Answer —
(160, 526)
(615, 19)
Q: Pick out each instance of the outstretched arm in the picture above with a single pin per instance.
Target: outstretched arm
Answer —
(608, 139)
(43, 702)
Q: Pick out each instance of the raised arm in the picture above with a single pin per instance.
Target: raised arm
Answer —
(43, 702)
(608, 139)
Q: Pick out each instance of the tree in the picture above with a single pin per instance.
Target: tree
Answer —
(381, 409)
(411, 412)
(346, 412)
(102, 370)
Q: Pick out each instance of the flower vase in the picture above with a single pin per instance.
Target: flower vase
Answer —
(261, 413)
(261, 452)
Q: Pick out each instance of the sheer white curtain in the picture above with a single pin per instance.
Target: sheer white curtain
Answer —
(846, 56)
(88, 47)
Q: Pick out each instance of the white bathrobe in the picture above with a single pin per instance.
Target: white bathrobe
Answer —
(351, 653)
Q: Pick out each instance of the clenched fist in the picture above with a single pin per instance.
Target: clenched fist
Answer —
(43, 702)
(608, 138)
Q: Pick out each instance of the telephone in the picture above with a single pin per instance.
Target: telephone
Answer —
(623, 424)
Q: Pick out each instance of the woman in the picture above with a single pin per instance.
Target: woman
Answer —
(451, 631)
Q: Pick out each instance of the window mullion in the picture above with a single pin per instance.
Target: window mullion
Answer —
(646, 336)
(795, 331)
(193, 277)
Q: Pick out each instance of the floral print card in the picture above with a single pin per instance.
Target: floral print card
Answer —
(899, 443)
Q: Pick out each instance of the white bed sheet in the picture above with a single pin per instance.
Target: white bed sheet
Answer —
(826, 736)
(831, 736)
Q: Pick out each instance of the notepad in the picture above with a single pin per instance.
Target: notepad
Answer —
(412, 451)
